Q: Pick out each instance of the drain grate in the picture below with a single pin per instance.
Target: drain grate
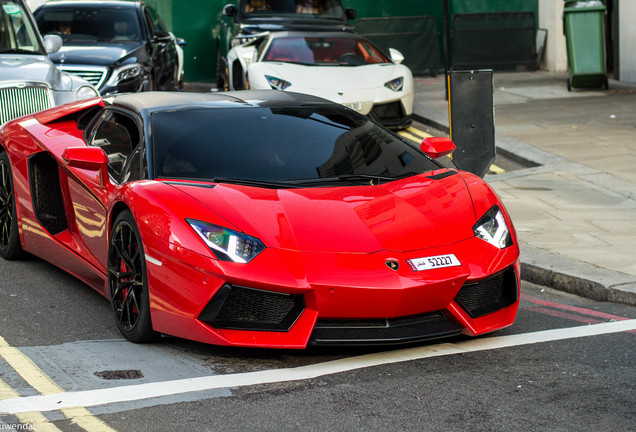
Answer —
(119, 374)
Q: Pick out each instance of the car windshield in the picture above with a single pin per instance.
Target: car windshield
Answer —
(282, 144)
(330, 9)
(94, 23)
(315, 50)
(17, 32)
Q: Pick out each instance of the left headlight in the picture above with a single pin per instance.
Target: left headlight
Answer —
(125, 73)
(227, 244)
(493, 229)
(396, 84)
(86, 92)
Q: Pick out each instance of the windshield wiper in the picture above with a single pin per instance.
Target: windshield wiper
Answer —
(256, 183)
(367, 178)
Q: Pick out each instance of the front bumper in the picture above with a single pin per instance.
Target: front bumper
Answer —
(286, 299)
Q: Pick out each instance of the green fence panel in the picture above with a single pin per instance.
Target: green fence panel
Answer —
(416, 37)
(498, 41)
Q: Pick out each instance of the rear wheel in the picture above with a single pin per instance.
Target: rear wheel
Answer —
(127, 281)
(10, 247)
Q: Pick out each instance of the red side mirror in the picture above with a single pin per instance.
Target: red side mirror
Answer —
(89, 158)
(437, 147)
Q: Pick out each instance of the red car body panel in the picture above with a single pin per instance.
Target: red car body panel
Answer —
(329, 244)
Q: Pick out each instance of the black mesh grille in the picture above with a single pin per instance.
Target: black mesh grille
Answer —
(401, 330)
(489, 295)
(47, 193)
(235, 307)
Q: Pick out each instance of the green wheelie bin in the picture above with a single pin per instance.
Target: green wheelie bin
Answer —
(584, 27)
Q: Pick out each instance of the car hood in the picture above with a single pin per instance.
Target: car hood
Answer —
(29, 68)
(329, 77)
(403, 215)
(97, 55)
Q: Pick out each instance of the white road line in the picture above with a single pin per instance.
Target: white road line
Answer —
(88, 398)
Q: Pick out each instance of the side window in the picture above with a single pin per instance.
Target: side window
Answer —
(154, 17)
(149, 24)
(118, 136)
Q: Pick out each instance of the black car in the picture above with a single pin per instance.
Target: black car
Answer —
(117, 45)
(241, 22)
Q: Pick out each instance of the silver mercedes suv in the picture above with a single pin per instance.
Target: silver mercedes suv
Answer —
(29, 81)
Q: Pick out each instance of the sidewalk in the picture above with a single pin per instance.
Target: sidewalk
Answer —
(575, 209)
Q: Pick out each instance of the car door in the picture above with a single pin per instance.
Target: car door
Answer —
(163, 51)
(118, 134)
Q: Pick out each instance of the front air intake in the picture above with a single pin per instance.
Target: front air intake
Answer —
(242, 308)
(489, 295)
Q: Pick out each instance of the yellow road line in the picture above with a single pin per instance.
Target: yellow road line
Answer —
(497, 170)
(409, 136)
(33, 420)
(37, 379)
(418, 132)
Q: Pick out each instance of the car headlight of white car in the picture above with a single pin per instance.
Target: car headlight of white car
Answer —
(86, 92)
(277, 83)
(396, 84)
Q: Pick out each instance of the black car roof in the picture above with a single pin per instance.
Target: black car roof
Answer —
(147, 103)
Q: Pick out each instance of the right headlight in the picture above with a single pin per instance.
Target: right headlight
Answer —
(493, 229)
(227, 244)
(125, 73)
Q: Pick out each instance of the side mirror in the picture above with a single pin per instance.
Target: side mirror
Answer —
(437, 147)
(350, 13)
(396, 56)
(52, 43)
(88, 158)
(229, 10)
(162, 36)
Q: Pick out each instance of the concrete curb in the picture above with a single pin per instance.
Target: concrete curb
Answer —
(545, 268)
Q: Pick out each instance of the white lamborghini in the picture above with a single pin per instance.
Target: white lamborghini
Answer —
(340, 66)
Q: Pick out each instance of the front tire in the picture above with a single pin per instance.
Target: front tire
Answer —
(10, 247)
(128, 281)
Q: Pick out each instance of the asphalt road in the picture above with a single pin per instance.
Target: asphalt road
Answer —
(565, 365)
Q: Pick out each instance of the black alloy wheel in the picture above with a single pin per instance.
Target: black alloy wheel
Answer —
(127, 281)
(10, 247)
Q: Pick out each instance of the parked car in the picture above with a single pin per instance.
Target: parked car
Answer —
(258, 218)
(340, 66)
(238, 23)
(29, 81)
(117, 45)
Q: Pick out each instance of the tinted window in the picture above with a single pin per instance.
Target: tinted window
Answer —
(117, 135)
(16, 30)
(278, 144)
(90, 23)
(324, 50)
(331, 9)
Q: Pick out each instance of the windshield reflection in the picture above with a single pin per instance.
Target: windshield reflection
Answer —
(278, 145)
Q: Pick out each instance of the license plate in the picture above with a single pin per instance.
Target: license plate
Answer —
(354, 105)
(433, 262)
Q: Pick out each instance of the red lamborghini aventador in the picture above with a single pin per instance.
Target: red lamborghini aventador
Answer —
(259, 218)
